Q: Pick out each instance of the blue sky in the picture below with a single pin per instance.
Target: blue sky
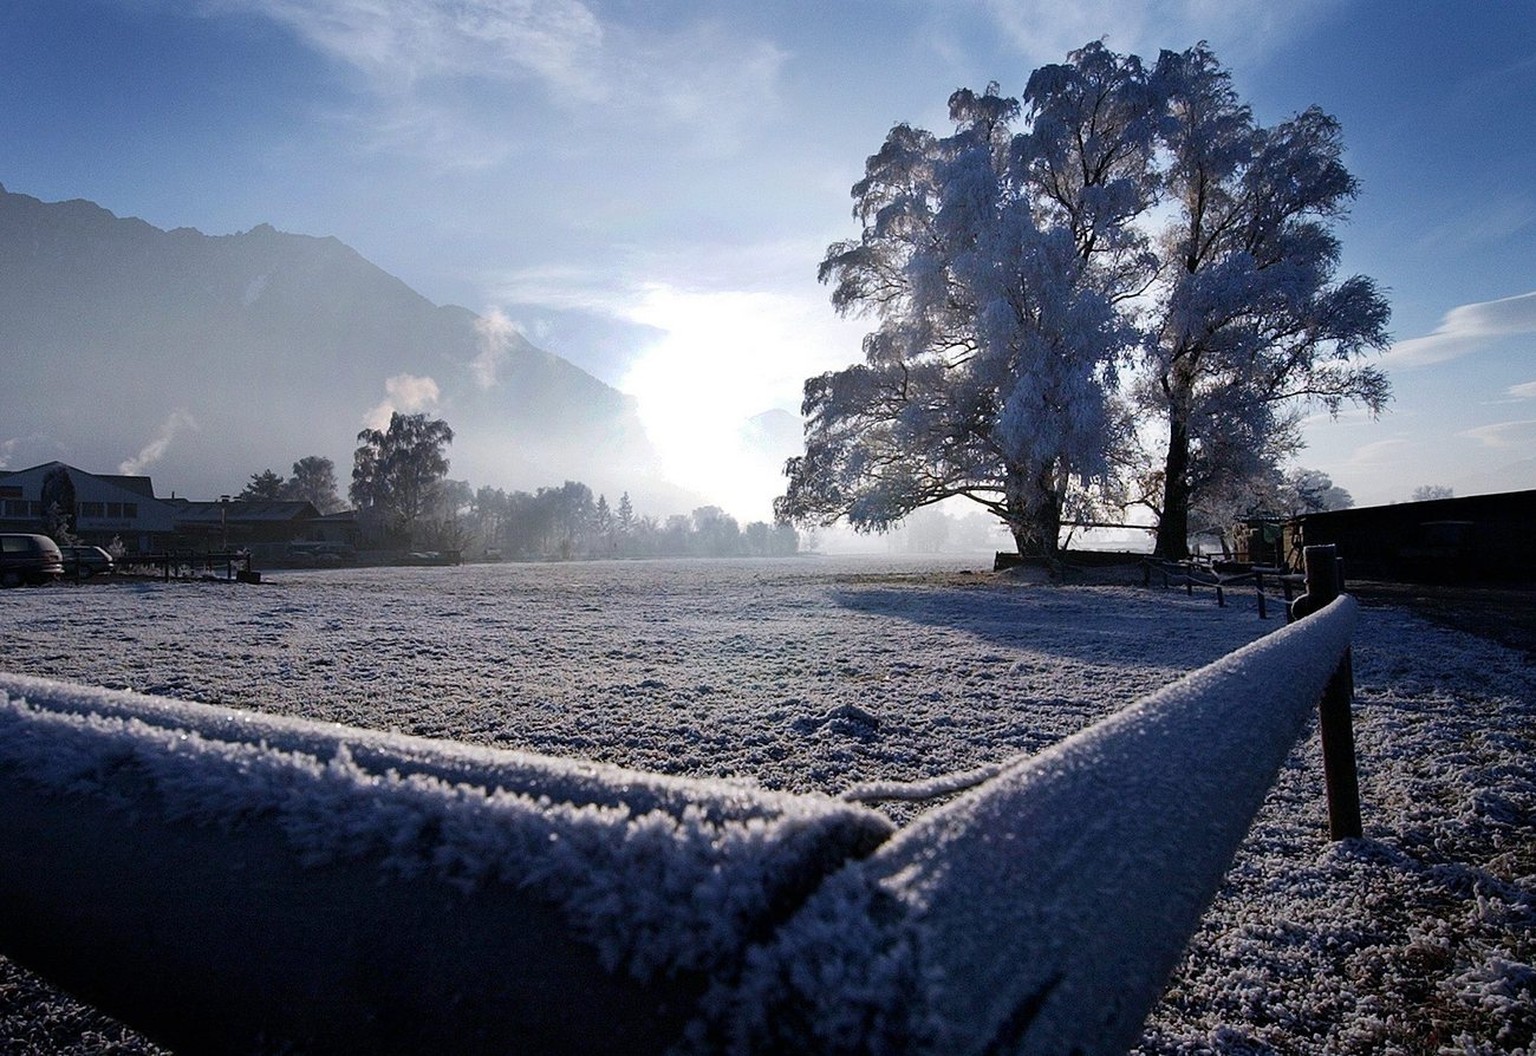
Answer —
(646, 186)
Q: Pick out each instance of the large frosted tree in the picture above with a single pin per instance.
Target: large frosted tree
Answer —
(1249, 326)
(1012, 266)
(995, 263)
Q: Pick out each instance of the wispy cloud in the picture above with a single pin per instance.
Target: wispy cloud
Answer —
(448, 79)
(1379, 454)
(404, 42)
(1504, 434)
(406, 393)
(606, 291)
(177, 422)
(1465, 329)
(1479, 223)
(1524, 391)
(708, 77)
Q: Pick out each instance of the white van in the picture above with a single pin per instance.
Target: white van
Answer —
(31, 559)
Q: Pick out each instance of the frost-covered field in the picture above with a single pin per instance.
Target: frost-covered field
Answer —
(817, 674)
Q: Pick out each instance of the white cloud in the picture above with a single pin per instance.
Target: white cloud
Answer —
(1466, 329)
(1524, 391)
(405, 393)
(175, 423)
(709, 77)
(1346, 416)
(496, 334)
(1504, 434)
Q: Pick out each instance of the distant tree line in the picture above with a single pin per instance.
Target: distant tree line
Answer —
(566, 523)
(404, 499)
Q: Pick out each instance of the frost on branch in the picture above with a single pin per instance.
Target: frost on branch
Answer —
(991, 262)
(1013, 274)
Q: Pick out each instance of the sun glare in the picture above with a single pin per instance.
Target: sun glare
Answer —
(726, 357)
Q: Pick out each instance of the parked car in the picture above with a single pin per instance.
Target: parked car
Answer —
(29, 559)
(83, 561)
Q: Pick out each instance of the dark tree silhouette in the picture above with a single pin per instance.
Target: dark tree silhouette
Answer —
(396, 472)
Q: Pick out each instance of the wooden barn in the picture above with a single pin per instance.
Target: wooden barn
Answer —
(1476, 539)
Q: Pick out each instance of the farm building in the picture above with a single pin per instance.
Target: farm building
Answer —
(105, 509)
(1479, 538)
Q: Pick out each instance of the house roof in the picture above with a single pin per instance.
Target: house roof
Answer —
(1505, 503)
(139, 486)
(245, 512)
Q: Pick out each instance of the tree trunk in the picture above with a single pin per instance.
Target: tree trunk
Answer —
(1031, 542)
(1035, 517)
(1173, 525)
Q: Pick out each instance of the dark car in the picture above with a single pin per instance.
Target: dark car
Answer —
(83, 561)
(29, 559)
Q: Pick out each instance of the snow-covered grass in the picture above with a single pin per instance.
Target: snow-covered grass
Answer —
(819, 675)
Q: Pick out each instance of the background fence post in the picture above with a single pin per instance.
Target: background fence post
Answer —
(1324, 583)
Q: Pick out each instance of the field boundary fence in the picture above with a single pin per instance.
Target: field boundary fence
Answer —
(1117, 839)
(187, 564)
(1271, 585)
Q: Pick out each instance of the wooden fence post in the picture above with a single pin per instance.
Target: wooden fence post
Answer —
(1324, 583)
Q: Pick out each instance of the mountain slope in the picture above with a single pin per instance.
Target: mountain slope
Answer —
(202, 359)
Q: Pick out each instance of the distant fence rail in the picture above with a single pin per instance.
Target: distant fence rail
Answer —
(1222, 577)
(228, 880)
(185, 564)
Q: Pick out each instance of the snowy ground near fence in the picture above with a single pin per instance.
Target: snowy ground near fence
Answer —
(820, 674)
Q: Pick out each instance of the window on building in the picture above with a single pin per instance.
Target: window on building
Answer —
(91, 509)
(130, 509)
(114, 509)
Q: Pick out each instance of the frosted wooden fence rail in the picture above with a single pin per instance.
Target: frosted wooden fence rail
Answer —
(228, 881)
